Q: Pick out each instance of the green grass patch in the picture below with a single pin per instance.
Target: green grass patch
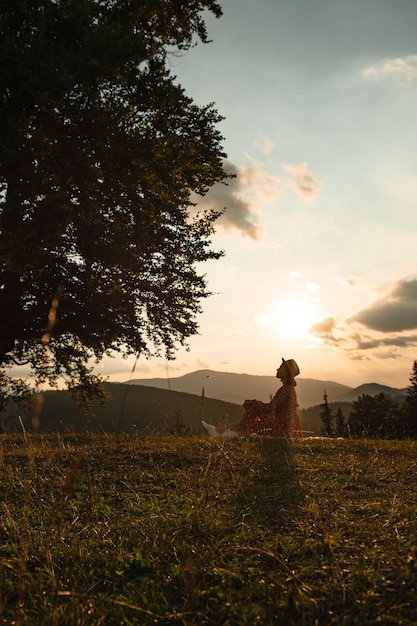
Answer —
(117, 529)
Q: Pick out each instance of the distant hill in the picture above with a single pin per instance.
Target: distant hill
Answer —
(135, 408)
(162, 405)
(237, 388)
(371, 389)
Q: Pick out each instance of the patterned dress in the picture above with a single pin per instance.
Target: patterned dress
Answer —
(278, 418)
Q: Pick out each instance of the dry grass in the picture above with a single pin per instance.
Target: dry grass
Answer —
(128, 530)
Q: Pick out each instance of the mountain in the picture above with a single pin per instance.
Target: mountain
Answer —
(371, 389)
(153, 409)
(237, 388)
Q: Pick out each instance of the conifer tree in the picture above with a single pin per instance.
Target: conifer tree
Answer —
(411, 403)
(375, 416)
(326, 417)
(341, 429)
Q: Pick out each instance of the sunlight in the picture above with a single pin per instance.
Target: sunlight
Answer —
(294, 317)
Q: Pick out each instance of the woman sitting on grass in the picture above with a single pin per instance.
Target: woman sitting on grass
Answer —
(278, 418)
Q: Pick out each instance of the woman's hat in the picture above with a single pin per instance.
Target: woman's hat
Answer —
(292, 368)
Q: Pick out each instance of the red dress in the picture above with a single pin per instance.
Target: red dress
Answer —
(278, 418)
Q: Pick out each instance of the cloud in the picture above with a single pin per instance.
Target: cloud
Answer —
(236, 196)
(383, 329)
(240, 196)
(349, 281)
(357, 345)
(325, 326)
(326, 330)
(395, 313)
(388, 320)
(264, 144)
(258, 183)
(372, 343)
(304, 183)
(402, 69)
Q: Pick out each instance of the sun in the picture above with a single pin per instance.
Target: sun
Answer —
(293, 317)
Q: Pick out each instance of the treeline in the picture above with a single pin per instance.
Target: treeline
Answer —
(380, 416)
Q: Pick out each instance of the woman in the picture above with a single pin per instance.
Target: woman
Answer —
(278, 418)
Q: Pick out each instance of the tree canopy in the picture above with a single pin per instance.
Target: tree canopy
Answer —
(101, 150)
(379, 416)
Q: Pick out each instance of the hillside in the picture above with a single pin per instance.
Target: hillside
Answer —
(135, 408)
(237, 388)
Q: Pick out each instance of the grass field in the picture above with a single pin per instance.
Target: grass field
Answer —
(128, 530)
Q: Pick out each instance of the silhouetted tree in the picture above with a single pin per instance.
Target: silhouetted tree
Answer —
(341, 427)
(101, 151)
(411, 404)
(376, 416)
(326, 416)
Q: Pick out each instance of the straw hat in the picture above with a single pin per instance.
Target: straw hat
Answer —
(292, 369)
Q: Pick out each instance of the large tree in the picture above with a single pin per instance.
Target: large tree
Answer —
(101, 150)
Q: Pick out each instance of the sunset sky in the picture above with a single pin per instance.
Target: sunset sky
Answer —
(320, 231)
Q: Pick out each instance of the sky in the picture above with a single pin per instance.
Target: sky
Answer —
(319, 233)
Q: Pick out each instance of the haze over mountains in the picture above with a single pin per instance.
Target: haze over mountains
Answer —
(237, 388)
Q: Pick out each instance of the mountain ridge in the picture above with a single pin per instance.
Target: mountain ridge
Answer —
(236, 388)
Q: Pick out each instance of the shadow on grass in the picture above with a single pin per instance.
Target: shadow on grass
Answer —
(275, 493)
